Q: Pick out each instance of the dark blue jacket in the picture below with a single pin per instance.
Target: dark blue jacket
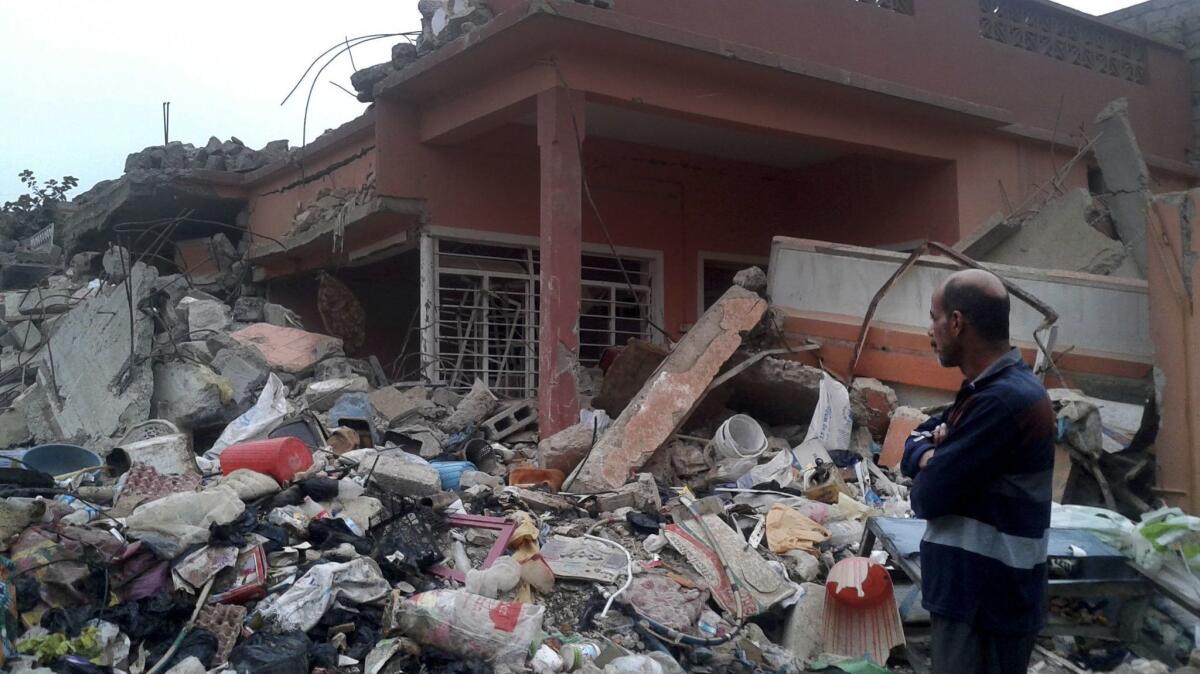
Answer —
(986, 495)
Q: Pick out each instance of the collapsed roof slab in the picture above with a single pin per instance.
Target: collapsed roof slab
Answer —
(146, 196)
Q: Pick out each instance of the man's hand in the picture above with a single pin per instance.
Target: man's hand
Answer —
(926, 457)
(939, 436)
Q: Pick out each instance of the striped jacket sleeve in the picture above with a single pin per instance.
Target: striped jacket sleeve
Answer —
(973, 450)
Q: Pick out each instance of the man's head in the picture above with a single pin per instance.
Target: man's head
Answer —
(969, 314)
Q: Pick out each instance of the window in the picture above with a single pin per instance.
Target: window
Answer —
(717, 272)
(485, 318)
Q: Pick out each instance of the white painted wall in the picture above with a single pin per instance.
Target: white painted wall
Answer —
(1096, 313)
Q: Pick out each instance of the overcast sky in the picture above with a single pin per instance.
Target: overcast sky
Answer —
(84, 80)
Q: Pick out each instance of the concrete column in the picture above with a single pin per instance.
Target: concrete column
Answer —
(559, 141)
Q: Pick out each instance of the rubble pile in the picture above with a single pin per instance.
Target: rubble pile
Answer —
(230, 155)
(198, 483)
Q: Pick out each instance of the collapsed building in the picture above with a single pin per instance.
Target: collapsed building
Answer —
(545, 214)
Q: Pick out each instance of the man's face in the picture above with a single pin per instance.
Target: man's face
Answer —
(944, 332)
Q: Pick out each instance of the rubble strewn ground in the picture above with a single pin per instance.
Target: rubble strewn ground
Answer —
(282, 507)
(199, 482)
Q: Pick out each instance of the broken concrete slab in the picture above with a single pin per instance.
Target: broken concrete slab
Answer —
(205, 317)
(394, 404)
(249, 309)
(340, 367)
(1126, 178)
(189, 394)
(290, 350)
(401, 473)
(671, 393)
(117, 262)
(320, 396)
(14, 430)
(24, 336)
(566, 448)
(277, 314)
(1059, 236)
(245, 369)
(802, 633)
(196, 351)
(641, 494)
(987, 236)
(472, 409)
(97, 381)
(627, 374)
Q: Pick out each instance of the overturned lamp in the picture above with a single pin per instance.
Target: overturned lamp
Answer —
(861, 617)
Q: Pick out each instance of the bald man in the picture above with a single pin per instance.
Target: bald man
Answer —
(982, 479)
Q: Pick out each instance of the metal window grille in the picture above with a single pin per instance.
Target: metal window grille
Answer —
(897, 6)
(486, 312)
(1061, 36)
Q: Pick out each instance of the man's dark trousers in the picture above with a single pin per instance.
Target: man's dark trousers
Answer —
(960, 648)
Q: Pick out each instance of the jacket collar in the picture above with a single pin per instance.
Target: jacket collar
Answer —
(1009, 359)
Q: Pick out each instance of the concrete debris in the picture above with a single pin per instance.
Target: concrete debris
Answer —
(246, 371)
(289, 350)
(1125, 176)
(1060, 236)
(567, 448)
(753, 279)
(473, 409)
(189, 395)
(231, 155)
(627, 374)
(205, 317)
(317, 494)
(394, 404)
(671, 394)
(320, 396)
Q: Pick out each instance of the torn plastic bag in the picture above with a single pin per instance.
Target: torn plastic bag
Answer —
(831, 423)
(468, 625)
(265, 653)
(256, 422)
(781, 470)
(301, 607)
(176, 522)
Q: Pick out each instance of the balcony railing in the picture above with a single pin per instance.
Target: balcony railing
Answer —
(1061, 36)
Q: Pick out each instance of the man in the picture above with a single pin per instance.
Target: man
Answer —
(982, 479)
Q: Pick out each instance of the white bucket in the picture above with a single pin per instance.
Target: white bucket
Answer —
(740, 437)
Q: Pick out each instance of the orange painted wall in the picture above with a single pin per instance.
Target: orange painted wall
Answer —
(274, 202)
(670, 201)
(1175, 329)
(939, 49)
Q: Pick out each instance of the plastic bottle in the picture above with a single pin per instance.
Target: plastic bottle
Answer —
(574, 655)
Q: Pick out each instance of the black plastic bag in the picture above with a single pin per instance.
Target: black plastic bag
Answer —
(320, 488)
(330, 532)
(264, 653)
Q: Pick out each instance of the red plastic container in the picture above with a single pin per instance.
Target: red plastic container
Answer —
(281, 458)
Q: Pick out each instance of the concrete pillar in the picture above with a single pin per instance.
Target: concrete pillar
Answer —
(560, 138)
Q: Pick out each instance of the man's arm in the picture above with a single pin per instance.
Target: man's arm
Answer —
(919, 442)
(969, 454)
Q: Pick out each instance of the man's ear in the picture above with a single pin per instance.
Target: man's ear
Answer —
(957, 323)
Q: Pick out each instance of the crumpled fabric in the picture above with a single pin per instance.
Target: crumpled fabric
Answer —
(174, 523)
(788, 530)
(301, 607)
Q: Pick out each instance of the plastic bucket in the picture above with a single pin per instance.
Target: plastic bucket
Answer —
(740, 437)
(61, 459)
(281, 458)
(451, 472)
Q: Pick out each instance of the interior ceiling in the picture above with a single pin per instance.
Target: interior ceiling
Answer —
(675, 133)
